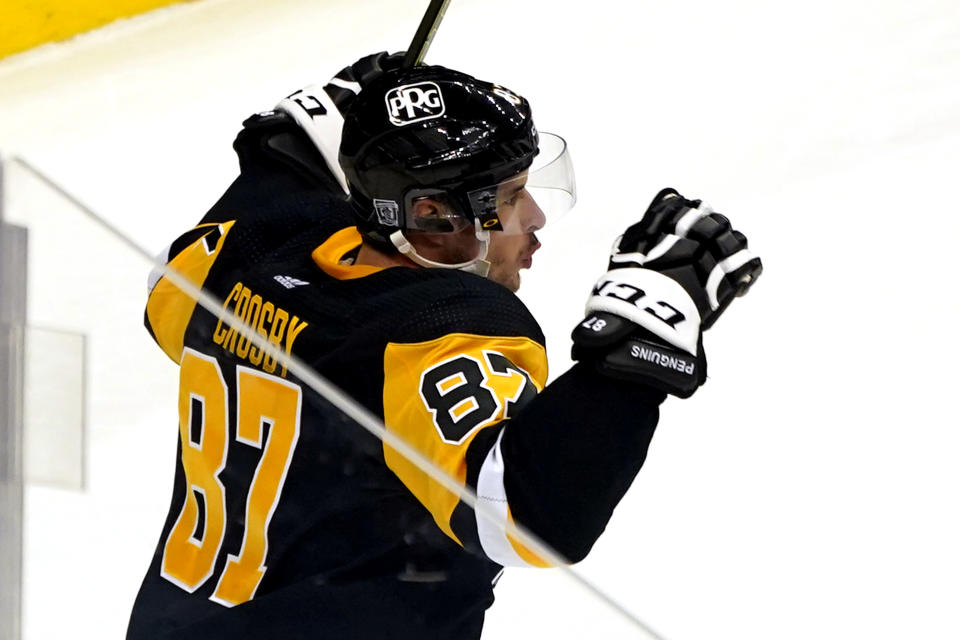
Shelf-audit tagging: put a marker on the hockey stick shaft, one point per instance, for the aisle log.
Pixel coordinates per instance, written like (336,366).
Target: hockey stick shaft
(425,32)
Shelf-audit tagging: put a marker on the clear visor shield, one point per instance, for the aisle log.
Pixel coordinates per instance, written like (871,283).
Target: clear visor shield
(522,204)
(532,199)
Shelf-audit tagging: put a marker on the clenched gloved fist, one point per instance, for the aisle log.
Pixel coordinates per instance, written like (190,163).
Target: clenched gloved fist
(319,111)
(670,277)
(347,83)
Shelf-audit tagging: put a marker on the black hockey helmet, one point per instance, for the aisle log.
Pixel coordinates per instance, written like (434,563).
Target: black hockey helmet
(429,131)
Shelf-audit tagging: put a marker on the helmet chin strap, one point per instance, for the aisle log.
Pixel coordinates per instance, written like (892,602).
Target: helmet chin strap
(478,265)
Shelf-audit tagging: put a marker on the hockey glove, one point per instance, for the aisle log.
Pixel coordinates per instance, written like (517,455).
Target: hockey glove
(350,80)
(319,109)
(670,277)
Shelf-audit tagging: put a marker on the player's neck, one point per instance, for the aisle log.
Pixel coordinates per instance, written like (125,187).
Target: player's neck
(374,257)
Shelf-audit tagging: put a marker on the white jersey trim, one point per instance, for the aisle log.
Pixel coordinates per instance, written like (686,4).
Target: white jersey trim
(490,490)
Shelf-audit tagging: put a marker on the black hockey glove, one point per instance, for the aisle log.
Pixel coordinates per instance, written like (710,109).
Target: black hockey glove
(671,276)
(347,83)
(319,110)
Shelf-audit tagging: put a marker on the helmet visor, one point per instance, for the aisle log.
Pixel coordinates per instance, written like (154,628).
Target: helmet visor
(533,198)
(521,204)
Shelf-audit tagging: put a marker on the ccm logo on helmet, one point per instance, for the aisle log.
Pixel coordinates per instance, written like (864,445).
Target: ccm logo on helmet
(414,102)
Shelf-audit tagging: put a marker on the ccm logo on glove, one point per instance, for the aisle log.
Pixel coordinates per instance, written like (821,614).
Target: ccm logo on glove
(666,312)
(641,296)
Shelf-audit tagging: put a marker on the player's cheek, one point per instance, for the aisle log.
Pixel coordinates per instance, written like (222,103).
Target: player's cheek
(510,220)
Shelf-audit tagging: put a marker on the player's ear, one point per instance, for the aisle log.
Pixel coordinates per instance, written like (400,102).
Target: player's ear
(434,216)
(425,209)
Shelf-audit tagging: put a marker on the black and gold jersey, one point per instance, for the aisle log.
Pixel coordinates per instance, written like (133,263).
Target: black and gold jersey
(289,520)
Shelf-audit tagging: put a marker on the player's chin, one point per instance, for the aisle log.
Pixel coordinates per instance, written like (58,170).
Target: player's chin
(508,279)
(525,263)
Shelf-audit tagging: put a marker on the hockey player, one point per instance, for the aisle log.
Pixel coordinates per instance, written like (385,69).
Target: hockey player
(289,521)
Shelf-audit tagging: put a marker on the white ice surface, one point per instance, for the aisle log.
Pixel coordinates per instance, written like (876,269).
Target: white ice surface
(809,490)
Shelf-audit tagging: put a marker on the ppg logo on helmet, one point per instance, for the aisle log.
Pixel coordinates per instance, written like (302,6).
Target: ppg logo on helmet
(414,102)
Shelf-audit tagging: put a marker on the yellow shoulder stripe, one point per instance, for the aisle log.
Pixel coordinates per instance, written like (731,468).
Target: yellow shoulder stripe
(438,395)
(169,309)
